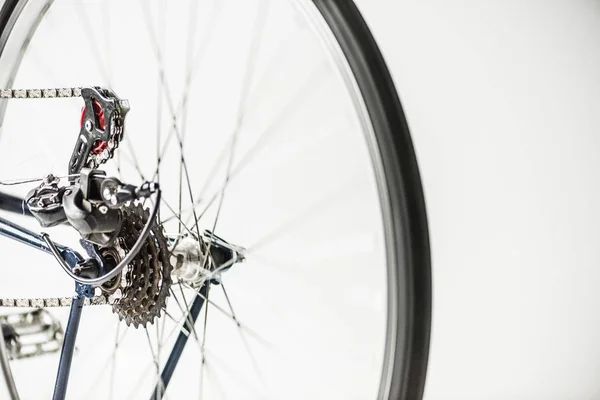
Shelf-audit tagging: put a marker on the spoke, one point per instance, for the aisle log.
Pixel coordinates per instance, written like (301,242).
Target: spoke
(133,160)
(213,171)
(180,197)
(274,62)
(176,328)
(159,56)
(231,315)
(242,336)
(185,312)
(158,342)
(86,23)
(191,32)
(191,194)
(177,323)
(139,382)
(241,333)
(162,331)
(166,92)
(215,305)
(175,216)
(200,51)
(110,361)
(205,321)
(319,207)
(159,99)
(257,33)
(259,25)
(241,325)
(257,371)
(178,217)
(215,383)
(192,24)
(193,65)
(167,142)
(43,65)
(107,11)
(289,108)
(113,363)
(229,303)
(203,347)
(238,378)
(210,176)
(160,384)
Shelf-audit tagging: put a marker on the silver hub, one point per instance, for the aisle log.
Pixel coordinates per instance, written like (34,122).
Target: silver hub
(189,264)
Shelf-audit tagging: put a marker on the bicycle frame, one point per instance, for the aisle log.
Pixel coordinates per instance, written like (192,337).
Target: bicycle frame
(23,235)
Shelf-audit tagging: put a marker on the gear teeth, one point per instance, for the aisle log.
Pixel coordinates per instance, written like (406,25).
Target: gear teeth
(146,281)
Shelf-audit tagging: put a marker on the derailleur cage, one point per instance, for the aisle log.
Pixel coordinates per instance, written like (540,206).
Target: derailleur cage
(102,127)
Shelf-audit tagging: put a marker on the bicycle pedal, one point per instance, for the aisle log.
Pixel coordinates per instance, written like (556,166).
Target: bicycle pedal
(31,333)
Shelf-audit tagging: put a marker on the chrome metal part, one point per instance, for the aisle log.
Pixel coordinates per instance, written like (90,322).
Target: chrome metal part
(31,333)
(191,264)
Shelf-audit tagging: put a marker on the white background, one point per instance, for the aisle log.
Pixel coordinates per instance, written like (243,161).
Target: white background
(503,100)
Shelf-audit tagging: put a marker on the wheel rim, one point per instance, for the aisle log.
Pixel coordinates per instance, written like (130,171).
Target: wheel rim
(275,203)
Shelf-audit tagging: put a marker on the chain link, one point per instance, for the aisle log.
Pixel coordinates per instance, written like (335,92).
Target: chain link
(40,93)
(47,302)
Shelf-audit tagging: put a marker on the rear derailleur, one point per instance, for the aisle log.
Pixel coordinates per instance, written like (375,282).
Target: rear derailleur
(90,204)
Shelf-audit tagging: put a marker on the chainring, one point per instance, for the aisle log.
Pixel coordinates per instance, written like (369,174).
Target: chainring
(144,283)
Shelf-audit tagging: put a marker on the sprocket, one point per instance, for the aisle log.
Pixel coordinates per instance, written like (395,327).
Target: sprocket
(145,283)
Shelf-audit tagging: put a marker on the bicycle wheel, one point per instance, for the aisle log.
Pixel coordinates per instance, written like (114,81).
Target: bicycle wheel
(274,125)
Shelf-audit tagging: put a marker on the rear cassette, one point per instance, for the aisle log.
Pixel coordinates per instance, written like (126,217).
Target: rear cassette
(145,283)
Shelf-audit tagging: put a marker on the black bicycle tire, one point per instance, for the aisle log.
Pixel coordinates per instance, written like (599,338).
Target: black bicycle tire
(8,14)
(406,197)
(413,298)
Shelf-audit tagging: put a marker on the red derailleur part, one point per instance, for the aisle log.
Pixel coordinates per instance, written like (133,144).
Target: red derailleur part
(102,123)
(99,145)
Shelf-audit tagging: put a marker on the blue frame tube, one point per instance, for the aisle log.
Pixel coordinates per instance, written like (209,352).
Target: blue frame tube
(23,235)
(68,346)
(182,339)
(14,204)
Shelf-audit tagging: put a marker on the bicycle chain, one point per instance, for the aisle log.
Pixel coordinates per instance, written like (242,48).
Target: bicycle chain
(40,93)
(47,302)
